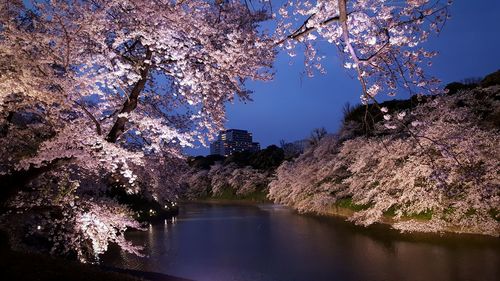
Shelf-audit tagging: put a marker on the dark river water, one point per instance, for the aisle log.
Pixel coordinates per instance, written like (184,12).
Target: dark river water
(268,242)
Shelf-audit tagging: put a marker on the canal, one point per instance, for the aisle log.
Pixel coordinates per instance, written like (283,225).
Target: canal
(266,242)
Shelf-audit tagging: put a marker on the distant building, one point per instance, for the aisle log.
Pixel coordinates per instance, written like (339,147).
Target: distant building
(233,140)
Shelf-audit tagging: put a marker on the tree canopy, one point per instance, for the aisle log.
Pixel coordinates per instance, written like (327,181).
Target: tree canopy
(98,91)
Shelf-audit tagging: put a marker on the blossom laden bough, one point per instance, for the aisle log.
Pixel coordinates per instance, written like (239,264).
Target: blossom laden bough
(111,86)
(440,174)
(380,40)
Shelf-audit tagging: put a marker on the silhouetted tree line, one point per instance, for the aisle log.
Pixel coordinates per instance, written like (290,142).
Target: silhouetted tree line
(361,118)
(266,159)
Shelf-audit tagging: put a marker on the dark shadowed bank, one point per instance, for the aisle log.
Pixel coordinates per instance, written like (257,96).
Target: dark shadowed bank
(31,266)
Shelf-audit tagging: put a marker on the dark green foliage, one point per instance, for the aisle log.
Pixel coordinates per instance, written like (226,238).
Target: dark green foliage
(454,87)
(229,194)
(266,159)
(349,204)
(495,213)
(427,215)
(204,162)
(336,178)
(365,116)
(391,212)
(491,79)
(145,209)
(226,193)
(471,212)
(241,159)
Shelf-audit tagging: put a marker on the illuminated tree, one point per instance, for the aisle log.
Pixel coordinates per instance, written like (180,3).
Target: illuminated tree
(380,40)
(112,83)
(435,171)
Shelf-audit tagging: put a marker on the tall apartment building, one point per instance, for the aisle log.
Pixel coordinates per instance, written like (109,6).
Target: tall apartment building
(233,140)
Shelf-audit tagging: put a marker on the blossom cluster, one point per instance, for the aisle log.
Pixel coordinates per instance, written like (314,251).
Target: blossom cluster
(106,94)
(436,169)
(239,181)
(379,40)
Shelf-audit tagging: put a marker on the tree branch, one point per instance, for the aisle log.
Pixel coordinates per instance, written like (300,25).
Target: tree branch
(91,116)
(304,29)
(131,103)
(345,34)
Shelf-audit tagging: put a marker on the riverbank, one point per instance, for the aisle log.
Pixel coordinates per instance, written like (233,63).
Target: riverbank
(346,209)
(434,170)
(228,196)
(21,266)
(27,266)
(346,213)
(239,241)
(227,201)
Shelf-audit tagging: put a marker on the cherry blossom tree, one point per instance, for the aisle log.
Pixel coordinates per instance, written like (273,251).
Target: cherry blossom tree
(110,86)
(100,89)
(380,40)
(240,181)
(124,62)
(435,171)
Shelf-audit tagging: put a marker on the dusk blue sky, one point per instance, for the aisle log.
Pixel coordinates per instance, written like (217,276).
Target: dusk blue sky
(292,105)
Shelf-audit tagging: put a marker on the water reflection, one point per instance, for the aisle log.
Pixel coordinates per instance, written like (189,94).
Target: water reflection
(269,242)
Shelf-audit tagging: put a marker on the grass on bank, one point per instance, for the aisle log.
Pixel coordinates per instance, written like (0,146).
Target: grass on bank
(347,203)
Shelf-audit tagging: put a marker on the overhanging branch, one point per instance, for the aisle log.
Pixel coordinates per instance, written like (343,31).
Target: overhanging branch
(304,29)
(92,117)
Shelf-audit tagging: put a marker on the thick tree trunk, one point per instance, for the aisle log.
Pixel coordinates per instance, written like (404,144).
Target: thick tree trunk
(131,103)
